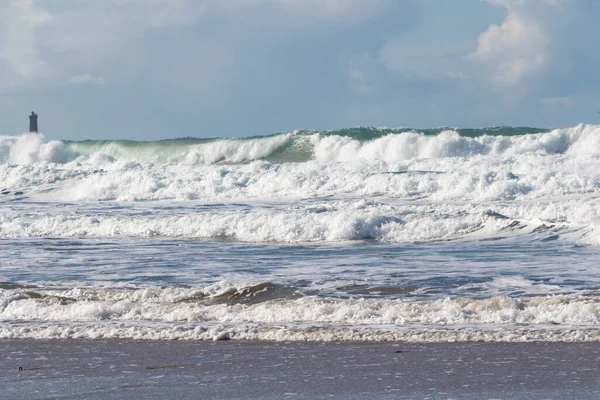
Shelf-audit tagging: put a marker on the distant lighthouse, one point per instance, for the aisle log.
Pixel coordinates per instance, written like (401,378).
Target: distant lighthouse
(33,127)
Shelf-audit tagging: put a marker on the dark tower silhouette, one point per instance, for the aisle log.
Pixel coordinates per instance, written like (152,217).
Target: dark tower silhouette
(33,122)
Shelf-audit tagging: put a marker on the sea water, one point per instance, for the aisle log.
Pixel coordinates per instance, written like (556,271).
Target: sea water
(355,234)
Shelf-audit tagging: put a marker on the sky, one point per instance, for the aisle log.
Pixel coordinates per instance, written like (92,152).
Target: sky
(160,69)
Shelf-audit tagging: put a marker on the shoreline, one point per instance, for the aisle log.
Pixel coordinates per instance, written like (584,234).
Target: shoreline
(508,333)
(129,369)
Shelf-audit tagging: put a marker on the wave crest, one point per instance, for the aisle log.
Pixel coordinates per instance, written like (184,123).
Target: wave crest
(391,145)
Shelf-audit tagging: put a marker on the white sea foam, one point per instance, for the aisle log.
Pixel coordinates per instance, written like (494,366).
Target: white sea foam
(476,179)
(168,314)
(446,167)
(414,200)
(33,148)
(188,305)
(409,145)
(30,148)
(284,333)
(327,221)
(581,140)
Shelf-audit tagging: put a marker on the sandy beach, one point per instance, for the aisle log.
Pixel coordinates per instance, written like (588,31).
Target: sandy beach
(94,369)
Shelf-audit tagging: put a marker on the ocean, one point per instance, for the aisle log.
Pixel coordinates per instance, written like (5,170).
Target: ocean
(363,234)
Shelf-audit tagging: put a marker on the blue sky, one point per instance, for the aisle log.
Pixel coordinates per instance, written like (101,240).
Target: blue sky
(157,69)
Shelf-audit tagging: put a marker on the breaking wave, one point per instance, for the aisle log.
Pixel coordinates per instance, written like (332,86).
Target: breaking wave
(337,145)
(359,184)
(258,312)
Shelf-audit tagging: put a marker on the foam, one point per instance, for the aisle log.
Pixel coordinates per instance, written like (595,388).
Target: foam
(188,305)
(523,192)
(531,167)
(315,222)
(140,331)
(161,314)
(30,148)
(392,147)
(419,187)
(33,148)
(449,143)
(448,179)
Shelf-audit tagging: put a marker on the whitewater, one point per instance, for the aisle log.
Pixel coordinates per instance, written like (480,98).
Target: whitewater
(362,234)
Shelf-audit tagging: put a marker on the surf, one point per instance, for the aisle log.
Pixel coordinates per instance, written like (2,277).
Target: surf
(298,146)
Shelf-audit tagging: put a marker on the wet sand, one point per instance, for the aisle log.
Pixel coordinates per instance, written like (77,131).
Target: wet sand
(99,369)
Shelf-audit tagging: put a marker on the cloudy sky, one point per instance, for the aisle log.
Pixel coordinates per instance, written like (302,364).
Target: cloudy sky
(157,69)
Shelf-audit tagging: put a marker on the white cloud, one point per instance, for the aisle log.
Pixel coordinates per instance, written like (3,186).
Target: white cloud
(60,37)
(543,48)
(19,54)
(516,49)
(87,80)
